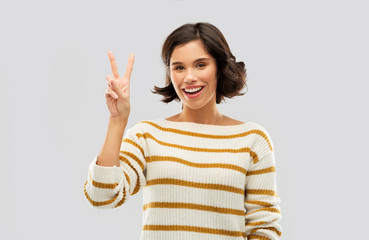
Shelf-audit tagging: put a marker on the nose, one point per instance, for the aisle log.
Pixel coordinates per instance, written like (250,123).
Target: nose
(190,76)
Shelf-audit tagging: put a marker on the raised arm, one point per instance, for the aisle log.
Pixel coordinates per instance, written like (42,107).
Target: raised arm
(117,170)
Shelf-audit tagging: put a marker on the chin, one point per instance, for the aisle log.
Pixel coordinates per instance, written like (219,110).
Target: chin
(194,106)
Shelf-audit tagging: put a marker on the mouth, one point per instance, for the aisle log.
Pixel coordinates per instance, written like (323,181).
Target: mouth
(193,87)
(194,94)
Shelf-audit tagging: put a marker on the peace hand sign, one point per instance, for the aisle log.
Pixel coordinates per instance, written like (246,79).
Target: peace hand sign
(118,92)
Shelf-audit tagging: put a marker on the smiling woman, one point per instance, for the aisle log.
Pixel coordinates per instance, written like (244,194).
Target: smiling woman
(192,68)
(203,175)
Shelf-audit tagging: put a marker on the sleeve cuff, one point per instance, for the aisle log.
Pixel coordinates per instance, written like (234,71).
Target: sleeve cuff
(105,174)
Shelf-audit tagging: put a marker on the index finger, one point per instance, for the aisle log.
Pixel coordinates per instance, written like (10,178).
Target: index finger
(131,59)
(113,65)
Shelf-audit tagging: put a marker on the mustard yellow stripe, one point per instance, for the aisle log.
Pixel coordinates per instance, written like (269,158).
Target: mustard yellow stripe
(148,135)
(192,164)
(261,203)
(193,206)
(254,156)
(102,185)
(137,159)
(95,203)
(268,209)
(261,171)
(195,134)
(137,187)
(256,223)
(193,229)
(134,144)
(261,192)
(246,149)
(258,237)
(194,184)
(279,233)
(127,177)
(122,200)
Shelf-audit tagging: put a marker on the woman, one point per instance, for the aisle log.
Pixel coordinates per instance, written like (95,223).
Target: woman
(204,175)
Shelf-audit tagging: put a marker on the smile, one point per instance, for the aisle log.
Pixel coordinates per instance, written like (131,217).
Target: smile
(195,93)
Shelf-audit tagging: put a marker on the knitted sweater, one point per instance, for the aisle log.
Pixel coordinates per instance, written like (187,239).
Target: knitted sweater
(199,181)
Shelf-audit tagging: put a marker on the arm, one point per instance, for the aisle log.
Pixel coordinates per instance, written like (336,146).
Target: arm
(110,184)
(109,153)
(262,201)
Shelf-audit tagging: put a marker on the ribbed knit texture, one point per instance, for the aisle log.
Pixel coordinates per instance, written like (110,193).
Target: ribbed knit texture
(199,181)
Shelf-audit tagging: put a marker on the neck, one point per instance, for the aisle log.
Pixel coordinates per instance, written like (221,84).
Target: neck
(206,115)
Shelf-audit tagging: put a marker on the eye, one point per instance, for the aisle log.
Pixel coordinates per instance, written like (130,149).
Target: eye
(201,65)
(178,68)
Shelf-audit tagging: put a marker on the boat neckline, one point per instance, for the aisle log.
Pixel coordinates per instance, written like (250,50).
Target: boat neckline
(205,125)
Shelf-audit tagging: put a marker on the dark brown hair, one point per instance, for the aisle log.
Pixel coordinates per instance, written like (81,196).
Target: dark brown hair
(231,74)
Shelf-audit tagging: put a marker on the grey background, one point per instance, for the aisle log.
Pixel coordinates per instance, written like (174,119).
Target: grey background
(307,64)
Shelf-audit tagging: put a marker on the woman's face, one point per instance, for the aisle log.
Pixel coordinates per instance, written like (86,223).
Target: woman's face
(191,67)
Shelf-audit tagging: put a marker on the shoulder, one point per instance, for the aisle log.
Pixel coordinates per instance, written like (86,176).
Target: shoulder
(137,128)
(262,144)
(145,126)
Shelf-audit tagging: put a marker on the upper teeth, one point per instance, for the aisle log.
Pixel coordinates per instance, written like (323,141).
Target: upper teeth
(192,89)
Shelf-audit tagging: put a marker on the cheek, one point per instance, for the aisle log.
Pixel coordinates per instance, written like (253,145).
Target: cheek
(176,78)
(210,75)
(175,81)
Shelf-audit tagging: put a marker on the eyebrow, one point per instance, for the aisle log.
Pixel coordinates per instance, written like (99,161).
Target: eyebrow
(197,60)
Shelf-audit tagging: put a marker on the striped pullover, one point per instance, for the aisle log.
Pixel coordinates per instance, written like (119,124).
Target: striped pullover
(199,181)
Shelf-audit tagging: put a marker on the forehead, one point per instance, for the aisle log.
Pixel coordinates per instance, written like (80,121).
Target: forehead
(189,51)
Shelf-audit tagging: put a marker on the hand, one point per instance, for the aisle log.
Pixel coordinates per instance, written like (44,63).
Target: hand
(118,92)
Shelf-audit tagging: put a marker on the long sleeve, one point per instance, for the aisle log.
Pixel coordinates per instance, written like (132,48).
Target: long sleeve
(261,200)
(110,187)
